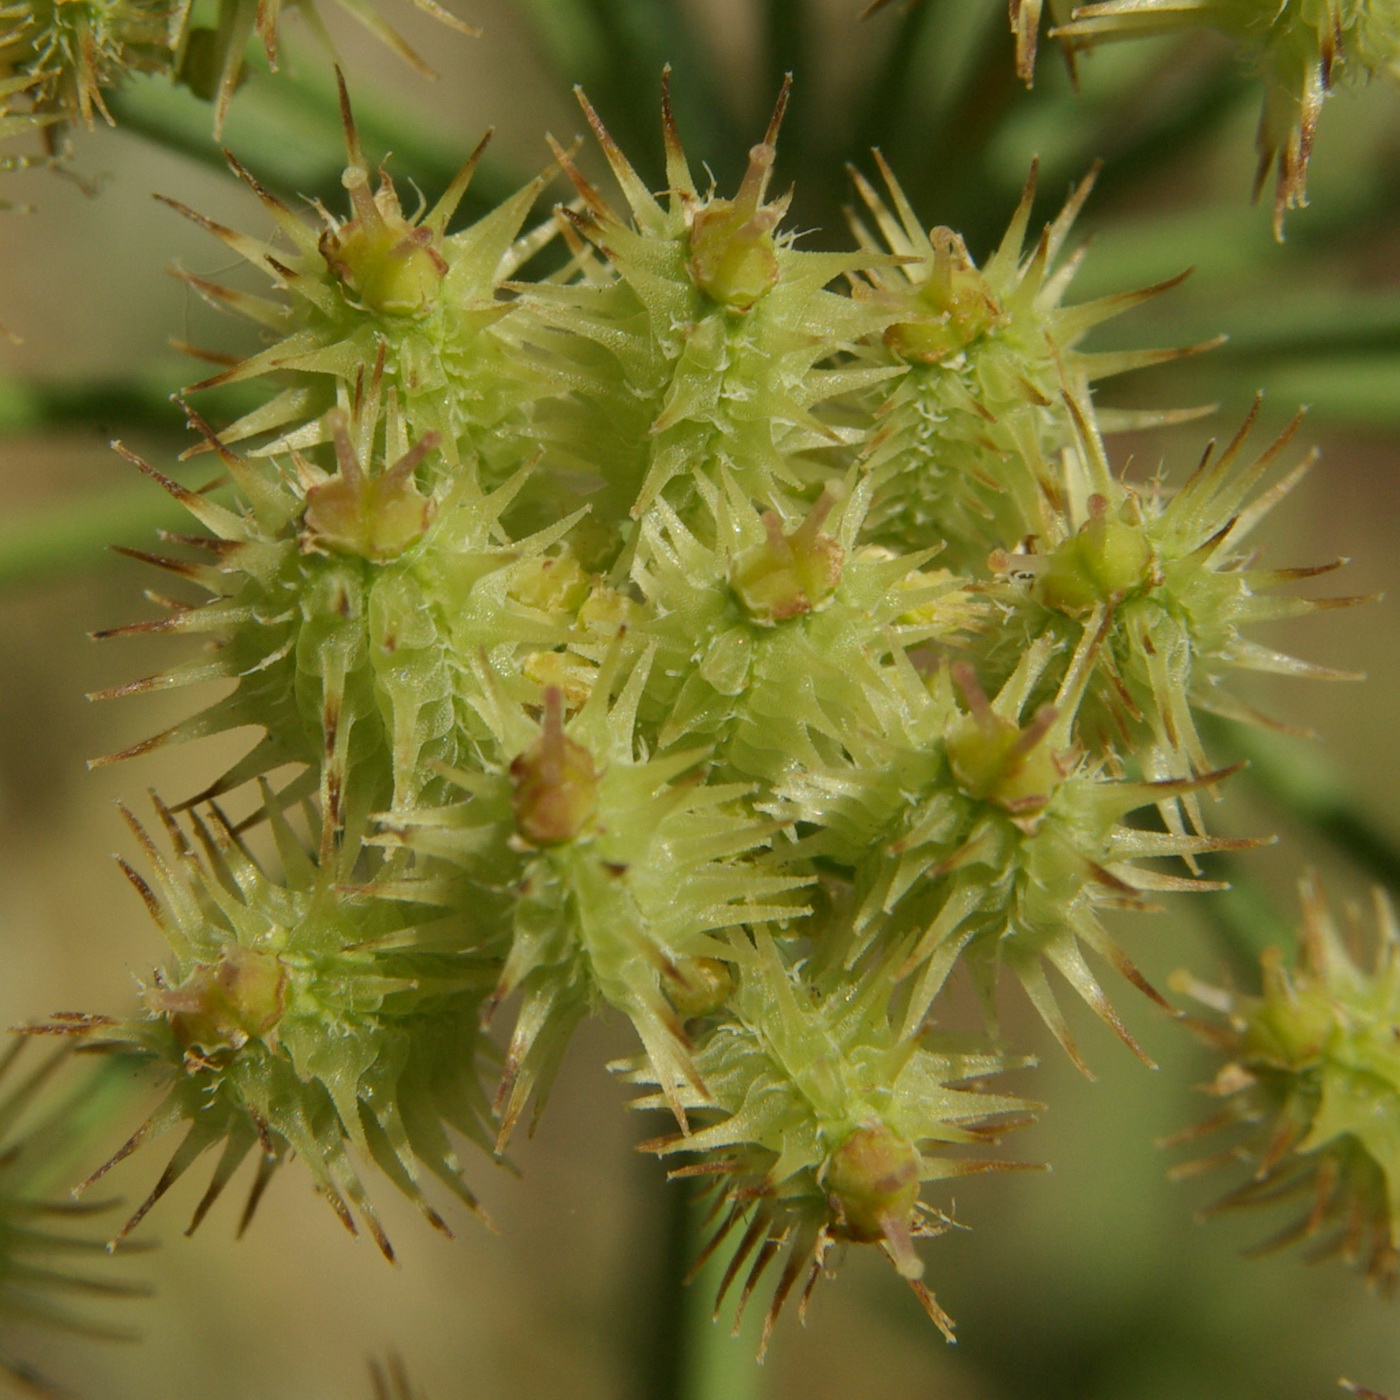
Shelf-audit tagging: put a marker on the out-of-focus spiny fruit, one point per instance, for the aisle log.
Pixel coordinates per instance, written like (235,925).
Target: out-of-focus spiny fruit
(1302,48)
(383,283)
(1313,1074)
(38,1238)
(822,1123)
(972,408)
(698,346)
(63,54)
(68,53)
(303,1017)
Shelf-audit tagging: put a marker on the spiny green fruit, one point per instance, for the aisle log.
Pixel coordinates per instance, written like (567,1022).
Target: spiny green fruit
(69,52)
(778,640)
(348,607)
(700,345)
(971,409)
(1152,589)
(822,1123)
(38,1238)
(1302,48)
(1313,1075)
(303,1017)
(383,284)
(66,53)
(977,836)
(606,876)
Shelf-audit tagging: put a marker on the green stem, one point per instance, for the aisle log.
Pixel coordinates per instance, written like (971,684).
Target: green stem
(1300,780)
(1246,921)
(883,106)
(108,405)
(71,535)
(695,1357)
(289,134)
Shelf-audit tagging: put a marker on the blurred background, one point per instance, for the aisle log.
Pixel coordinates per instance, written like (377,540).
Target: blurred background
(1094,1282)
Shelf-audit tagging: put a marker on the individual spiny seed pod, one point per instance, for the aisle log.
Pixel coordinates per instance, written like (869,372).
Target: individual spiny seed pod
(76,50)
(701,345)
(40,1231)
(381,278)
(781,637)
(612,876)
(299,1017)
(1159,584)
(822,1124)
(978,359)
(211,60)
(984,837)
(1302,48)
(1313,1074)
(345,604)
(66,53)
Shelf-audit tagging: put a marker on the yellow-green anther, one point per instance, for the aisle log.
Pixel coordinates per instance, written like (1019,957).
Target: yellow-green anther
(995,760)
(554,783)
(873,1182)
(1297,1020)
(733,257)
(389,264)
(221,1006)
(955,306)
(699,987)
(376,517)
(790,574)
(1107,559)
(553,584)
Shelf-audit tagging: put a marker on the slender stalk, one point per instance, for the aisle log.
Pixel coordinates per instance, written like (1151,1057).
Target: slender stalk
(1298,778)
(694,1356)
(616,51)
(109,405)
(1246,922)
(75,534)
(290,134)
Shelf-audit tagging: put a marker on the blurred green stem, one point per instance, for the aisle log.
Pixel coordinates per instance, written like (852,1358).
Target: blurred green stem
(1299,779)
(694,1356)
(74,534)
(1246,922)
(616,52)
(28,405)
(289,134)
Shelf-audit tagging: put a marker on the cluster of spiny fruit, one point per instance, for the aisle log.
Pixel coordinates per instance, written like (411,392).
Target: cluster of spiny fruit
(735,636)
(1301,49)
(60,60)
